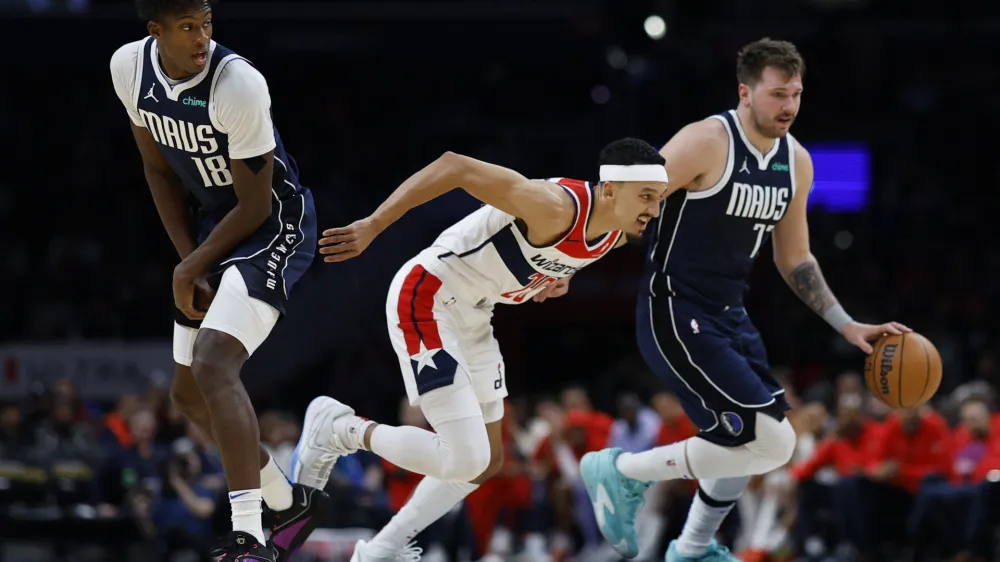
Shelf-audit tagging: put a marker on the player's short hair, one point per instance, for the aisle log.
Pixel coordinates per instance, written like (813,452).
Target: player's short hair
(755,57)
(155,10)
(629,152)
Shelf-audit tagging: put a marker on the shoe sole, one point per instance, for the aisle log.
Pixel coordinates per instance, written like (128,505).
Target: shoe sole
(311,412)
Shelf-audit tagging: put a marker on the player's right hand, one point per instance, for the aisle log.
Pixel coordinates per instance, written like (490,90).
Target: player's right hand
(553,291)
(346,242)
(184,290)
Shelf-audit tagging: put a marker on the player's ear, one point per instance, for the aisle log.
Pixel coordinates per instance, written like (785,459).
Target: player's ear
(154,29)
(608,189)
(744,92)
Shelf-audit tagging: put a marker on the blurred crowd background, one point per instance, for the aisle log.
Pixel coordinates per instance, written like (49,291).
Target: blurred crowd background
(95,464)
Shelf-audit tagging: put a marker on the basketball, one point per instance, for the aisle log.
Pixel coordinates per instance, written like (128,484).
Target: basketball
(903,371)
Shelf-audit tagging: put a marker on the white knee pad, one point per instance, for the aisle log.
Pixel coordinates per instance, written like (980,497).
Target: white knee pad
(457,418)
(465,448)
(775,441)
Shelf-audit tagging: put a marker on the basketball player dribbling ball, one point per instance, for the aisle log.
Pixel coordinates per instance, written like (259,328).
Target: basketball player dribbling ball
(201,117)
(734,178)
(524,244)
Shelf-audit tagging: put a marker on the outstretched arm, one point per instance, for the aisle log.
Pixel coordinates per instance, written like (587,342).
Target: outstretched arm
(799,268)
(543,206)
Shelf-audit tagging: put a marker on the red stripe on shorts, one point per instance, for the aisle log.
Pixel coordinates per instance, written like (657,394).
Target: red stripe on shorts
(415,309)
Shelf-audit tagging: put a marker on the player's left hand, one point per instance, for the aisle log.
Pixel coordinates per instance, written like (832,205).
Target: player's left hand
(346,242)
(860,334)
(555,290)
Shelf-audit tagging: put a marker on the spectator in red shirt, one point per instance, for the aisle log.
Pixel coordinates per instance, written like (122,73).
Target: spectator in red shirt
(847,450)
(676,425)
(913,446)
(977,443)
(943,508)
(575,399)
(573,434)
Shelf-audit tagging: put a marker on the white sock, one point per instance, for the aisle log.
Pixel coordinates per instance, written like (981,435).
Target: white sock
(246,512)
(431,500)
(713,502)
(669,462)
(274,486)
(351,430)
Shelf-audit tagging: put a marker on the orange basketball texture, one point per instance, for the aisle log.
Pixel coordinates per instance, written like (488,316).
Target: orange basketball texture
(903,371)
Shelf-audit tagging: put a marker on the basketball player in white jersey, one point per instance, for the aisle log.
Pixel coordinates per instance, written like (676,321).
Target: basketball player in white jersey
(734,178)
(525,243)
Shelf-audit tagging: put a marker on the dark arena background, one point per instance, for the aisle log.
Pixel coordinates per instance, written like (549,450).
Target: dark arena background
(900,113)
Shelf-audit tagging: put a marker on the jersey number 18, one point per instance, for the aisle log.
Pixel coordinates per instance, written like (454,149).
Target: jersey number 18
(213,171)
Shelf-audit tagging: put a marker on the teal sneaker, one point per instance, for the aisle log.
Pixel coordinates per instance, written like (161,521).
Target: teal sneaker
(715,553)
(616,499)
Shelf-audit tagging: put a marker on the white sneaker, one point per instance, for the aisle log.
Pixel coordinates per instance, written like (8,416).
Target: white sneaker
(319,447)
(408,553)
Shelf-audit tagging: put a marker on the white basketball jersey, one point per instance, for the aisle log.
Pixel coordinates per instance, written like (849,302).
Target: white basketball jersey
(486,256)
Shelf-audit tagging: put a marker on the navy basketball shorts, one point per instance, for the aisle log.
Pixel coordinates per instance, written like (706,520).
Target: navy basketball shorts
(270,263)
(714,361)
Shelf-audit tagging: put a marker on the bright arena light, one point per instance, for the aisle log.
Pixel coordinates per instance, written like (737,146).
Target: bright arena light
(655,27)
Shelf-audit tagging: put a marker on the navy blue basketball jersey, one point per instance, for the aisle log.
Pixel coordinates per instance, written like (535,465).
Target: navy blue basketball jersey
(178,115)
(705,242)
(187,119)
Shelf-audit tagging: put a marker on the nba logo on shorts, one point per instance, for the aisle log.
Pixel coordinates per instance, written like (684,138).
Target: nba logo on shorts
(732,422)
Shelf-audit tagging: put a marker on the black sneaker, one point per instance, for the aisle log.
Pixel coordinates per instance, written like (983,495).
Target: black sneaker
(291,527)
(238,546)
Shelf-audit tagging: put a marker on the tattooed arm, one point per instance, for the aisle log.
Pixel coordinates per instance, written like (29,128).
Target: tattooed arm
(801,271)
(792,254)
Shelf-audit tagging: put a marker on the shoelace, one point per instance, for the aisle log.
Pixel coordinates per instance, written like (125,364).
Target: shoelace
(323,469)
(410,553)
(327,460)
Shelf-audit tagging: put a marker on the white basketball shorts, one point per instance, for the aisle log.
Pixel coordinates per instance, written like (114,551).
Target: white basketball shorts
(234,312)
(444,344)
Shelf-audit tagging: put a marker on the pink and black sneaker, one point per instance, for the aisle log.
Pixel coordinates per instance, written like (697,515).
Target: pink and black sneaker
(291,527)
(238,546)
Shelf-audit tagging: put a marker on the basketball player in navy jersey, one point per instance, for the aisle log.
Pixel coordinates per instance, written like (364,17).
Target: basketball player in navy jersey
(734,179)
(201,117)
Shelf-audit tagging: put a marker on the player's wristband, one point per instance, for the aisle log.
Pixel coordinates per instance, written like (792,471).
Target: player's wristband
(837,317)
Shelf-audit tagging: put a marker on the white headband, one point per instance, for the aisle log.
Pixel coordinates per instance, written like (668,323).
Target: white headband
(638,172)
